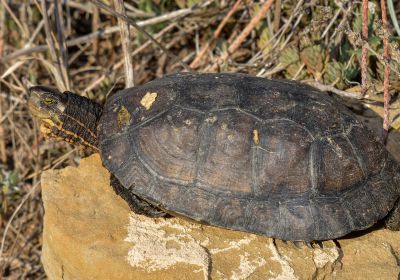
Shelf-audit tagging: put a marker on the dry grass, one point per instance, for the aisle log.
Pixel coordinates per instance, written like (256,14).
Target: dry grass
(77,46)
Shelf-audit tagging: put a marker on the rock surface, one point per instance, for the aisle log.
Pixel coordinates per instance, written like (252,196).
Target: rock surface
(89,233)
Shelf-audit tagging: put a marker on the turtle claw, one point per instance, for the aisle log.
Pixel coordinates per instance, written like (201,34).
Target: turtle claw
(298,244)
(285,242)
(318,244)
(309,244)
(302,244)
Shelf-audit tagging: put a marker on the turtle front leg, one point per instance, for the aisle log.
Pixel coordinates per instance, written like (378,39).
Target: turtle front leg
(137,205)
(392,220)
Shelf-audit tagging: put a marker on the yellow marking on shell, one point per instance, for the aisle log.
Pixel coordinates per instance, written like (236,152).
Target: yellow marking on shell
(148,99)
(124,117)
(256,138)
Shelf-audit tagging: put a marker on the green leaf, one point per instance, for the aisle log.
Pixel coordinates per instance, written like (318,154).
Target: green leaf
(357,22)
(5,188)
(289,56)
(314,58)
(263,40)
(293,71)
(13,177)
(334,74)
(375,42)
(351,73)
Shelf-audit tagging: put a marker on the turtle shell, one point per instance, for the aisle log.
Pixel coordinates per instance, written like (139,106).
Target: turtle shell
(273,157)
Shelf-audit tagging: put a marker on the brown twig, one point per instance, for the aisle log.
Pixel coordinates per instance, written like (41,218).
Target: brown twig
(103,6)
(334,90)
(339,31)
(277,15)
(100,33)
(24,199)
(14,17)
(95,26)
(3,152)
(364,52)
(356,40)
(386,96)
(196,62)
(333,20)
(276,39)
(250,26)
(134,53)
(2,30)
(126,44)
(50,42)
(61,43)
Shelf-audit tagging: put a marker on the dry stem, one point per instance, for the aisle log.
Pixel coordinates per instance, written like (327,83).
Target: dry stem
(126,44)
(364,66)
(196,62)
(386,96)
(61,44)
(140,29)
(250,26)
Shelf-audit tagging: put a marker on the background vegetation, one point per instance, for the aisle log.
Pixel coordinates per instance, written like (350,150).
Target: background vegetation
(76,45)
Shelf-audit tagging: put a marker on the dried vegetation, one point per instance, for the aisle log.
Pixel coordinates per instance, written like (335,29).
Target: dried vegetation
(75,45)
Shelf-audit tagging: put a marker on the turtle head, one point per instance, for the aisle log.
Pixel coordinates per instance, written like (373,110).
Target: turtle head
(47,104)
(65,115)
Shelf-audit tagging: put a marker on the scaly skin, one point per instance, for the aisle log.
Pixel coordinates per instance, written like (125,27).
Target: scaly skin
(51,107)
(392,221)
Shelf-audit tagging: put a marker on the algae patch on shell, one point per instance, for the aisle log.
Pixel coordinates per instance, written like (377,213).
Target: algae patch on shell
(124,117)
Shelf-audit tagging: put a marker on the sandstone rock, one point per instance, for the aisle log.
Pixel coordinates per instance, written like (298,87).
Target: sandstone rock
(89,233)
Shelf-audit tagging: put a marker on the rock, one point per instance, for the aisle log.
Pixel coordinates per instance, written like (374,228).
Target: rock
(89,233)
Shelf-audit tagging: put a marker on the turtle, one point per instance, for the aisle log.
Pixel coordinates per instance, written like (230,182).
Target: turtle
(276,158)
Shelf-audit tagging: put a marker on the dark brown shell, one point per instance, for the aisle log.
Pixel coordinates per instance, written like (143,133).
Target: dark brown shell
(277,158)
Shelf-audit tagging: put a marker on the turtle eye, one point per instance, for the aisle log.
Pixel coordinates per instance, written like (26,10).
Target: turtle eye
(49,101)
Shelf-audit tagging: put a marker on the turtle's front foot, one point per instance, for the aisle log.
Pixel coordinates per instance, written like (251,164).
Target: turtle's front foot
(137,205)
(392,220)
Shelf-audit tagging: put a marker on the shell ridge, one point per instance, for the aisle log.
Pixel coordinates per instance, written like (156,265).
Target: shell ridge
(153,171)
(313,161)
(349,217)
(154,176)
(315,221)
(134,127)
(356,154)
(255,167)
(205,131)
(189,109)
(281,223)
(293,122)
